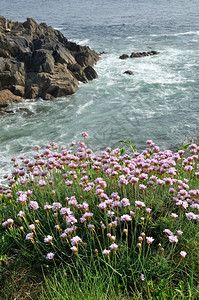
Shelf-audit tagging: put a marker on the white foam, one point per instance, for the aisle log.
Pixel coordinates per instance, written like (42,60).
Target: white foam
(84,42)
(83,107)
(176,34)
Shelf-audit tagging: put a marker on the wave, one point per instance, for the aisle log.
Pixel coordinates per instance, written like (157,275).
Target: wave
(176,34)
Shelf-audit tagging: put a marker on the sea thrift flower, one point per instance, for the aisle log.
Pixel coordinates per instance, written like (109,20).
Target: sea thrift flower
(149,240)
(50,255)
(48,239)
(173,239)
(173,215)
(33,205)
(142,277)
(183,254)
(76,240)
(71,220)
(106,252)
(148,210)
(179,233)
(47,206)
(8,222)
(32,227)
(21,214)
(168,232)
(29,236)
(41,183)
(74,249)
(125,202)
(113,247)
(142,187)
(84,134)
(190,216)
(126,218)
(56,206)
(139,204)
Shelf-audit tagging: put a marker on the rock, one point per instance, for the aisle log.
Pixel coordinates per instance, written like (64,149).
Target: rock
(142,54)
(129,72)
(7,97)
(90,73)
(124,56)
(38,61)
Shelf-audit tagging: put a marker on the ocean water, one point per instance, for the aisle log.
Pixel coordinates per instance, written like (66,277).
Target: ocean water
(160,102)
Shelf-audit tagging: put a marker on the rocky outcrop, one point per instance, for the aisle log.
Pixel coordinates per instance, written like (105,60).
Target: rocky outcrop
(142,54)
(38,61)
(139,54)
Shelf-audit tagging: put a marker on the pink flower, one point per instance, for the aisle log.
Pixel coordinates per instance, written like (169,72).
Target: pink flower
(74,249)
(41,183)
(139,204)
(32,227)
(190,216)
(48,239)
(142,277)
(84,134)
(125,202)
(168,232)
(33,205)
(29,236)
(50,255)
(56,206)
(142,187)
(113,247)
(8,222)
(173,239)
(75,240)
(126,218)
(21,214)
(179,232)
(149,240)
(106,252)
(173,215)
(183,254)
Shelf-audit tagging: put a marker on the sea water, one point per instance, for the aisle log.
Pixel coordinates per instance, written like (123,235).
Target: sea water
(159,102)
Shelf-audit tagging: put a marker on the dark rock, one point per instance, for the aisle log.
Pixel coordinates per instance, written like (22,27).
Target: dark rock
(90,73)
(129,72)
(142,54)
(124,56)
(38,61)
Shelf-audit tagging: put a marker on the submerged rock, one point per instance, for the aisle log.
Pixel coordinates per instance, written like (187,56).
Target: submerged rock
(38,61)
(129,72)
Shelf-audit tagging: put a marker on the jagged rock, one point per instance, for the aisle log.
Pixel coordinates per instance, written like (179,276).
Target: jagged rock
(38,61)
(90,73)
(129,72)
(142,54)
(124,56)
(7,97)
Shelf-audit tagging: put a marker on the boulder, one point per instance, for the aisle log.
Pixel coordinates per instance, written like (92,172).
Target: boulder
(38,61)
(90,73)
(124,56)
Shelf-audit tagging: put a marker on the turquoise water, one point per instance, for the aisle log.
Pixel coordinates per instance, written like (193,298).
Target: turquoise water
(160,102)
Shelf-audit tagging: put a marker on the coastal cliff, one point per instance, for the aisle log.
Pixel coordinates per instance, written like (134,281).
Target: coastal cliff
(38,61)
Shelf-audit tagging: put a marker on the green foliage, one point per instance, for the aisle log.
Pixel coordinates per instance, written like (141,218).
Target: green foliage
(36,230)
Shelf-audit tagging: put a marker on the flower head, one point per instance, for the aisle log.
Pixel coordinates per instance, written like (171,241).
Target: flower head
(183,254)
(50,255)
(149,240)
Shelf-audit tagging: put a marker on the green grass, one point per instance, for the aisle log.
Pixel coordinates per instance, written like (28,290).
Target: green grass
(86,272)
